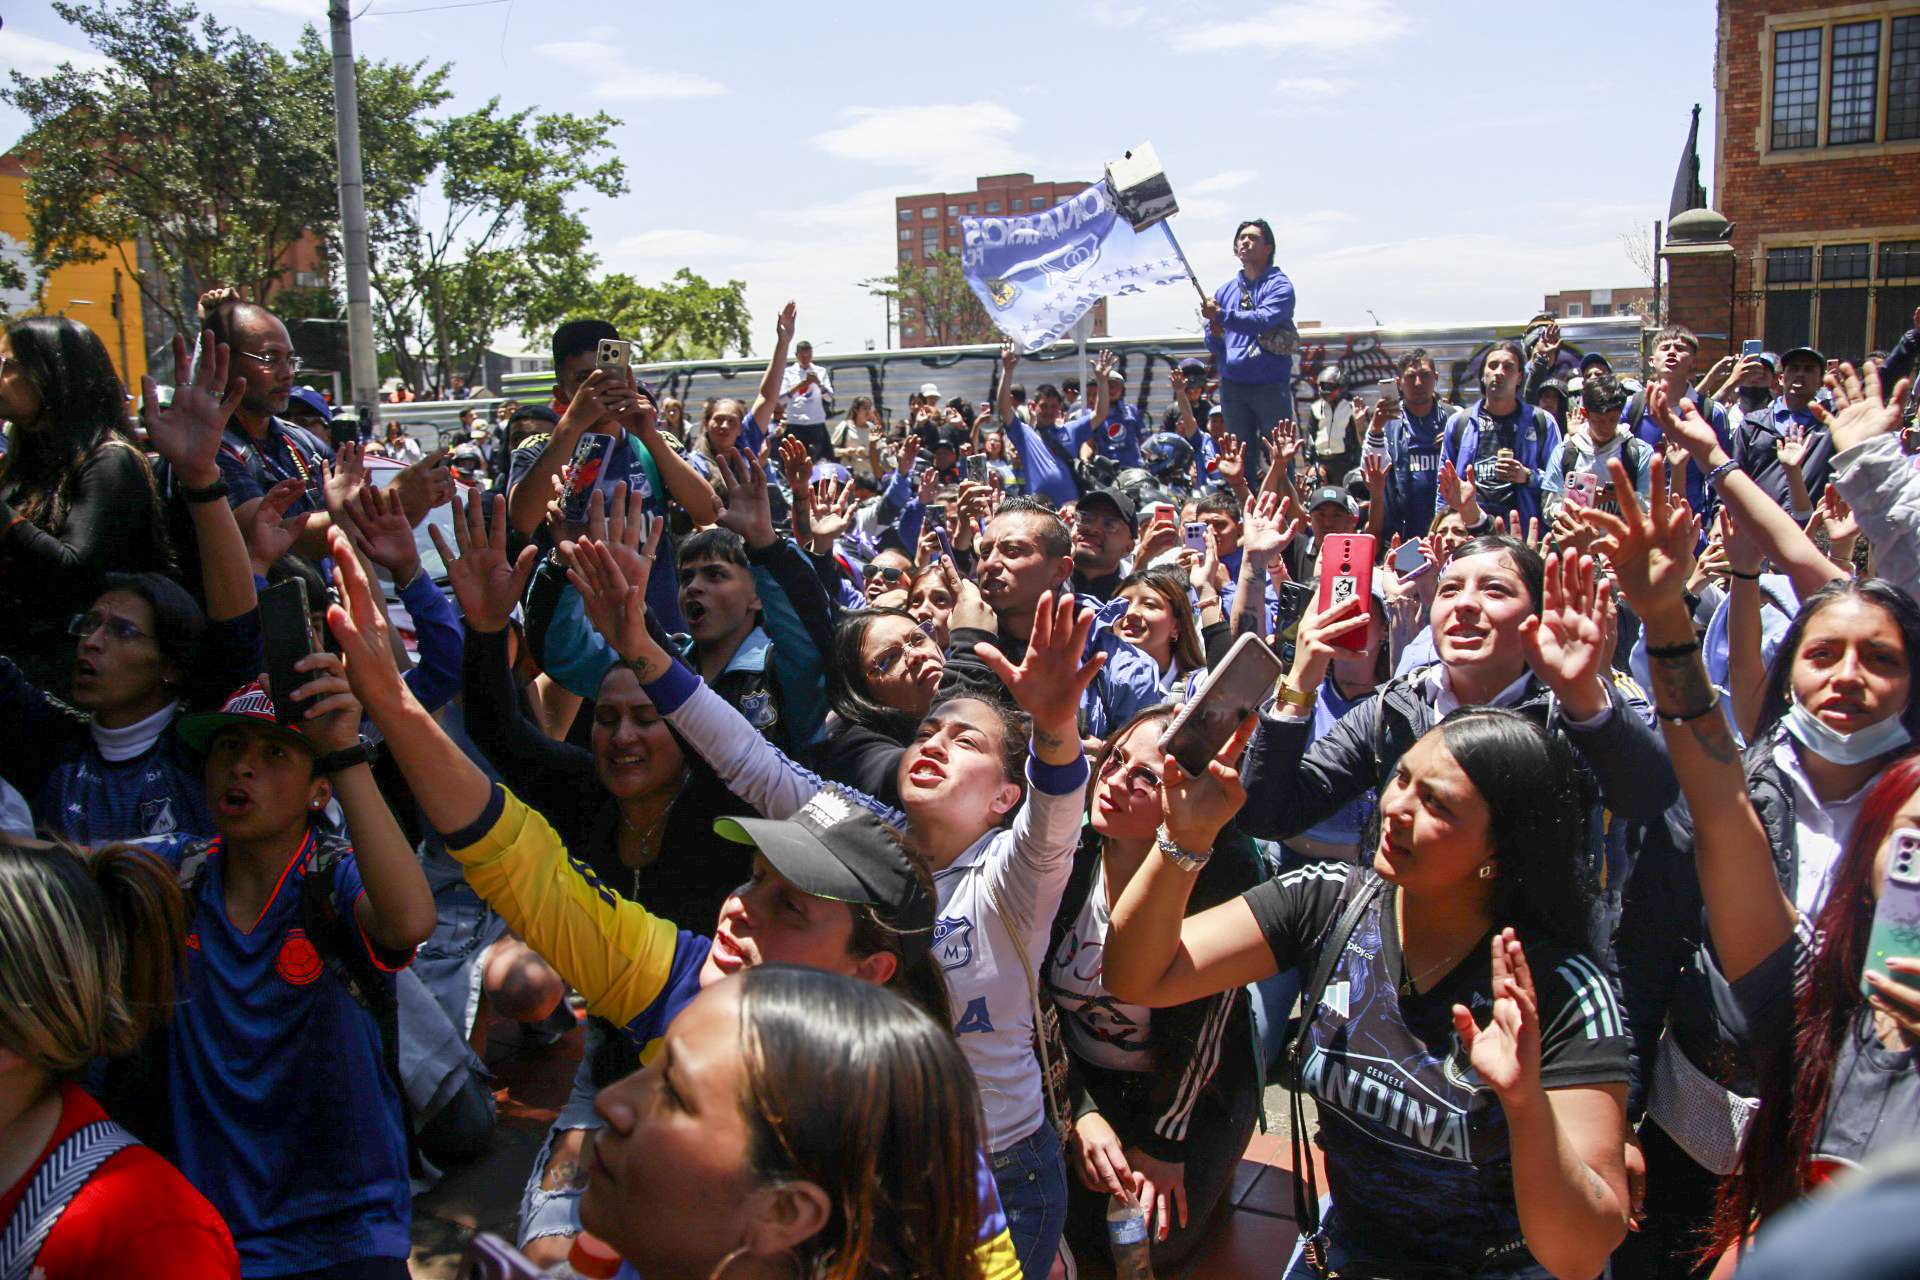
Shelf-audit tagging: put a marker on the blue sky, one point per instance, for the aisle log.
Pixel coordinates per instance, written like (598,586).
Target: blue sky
(1427,162)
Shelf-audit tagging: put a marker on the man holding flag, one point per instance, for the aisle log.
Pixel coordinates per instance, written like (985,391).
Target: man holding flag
(1250,332)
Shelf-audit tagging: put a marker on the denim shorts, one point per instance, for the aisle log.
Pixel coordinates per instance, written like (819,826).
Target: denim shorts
(1031,1177)
(557,1213)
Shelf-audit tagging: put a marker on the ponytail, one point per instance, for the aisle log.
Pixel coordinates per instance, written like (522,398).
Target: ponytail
(90,942)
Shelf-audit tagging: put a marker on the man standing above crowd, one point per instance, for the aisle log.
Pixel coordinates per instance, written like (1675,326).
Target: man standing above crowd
(806,396)
(1040,443)
(1501,443)
(1247,317)
(1111,429)
(1410,441)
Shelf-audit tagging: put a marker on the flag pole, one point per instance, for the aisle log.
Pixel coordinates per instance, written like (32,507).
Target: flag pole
(1183,262)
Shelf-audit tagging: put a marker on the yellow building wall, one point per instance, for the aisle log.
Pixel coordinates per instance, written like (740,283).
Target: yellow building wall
(86,291)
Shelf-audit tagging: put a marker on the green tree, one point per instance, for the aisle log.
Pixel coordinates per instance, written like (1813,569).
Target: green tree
(489,235)
(936,301)
(214,146)
(684,319)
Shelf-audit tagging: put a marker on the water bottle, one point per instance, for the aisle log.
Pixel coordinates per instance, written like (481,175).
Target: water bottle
(1127,1237)
(589,1259)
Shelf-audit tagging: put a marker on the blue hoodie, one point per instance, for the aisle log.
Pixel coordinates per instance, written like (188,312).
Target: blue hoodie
(1238,349)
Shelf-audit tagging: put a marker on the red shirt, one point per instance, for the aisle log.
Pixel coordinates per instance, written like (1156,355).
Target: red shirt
(135,1207)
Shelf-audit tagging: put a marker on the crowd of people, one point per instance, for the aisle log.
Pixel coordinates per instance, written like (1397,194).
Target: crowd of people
(817,763)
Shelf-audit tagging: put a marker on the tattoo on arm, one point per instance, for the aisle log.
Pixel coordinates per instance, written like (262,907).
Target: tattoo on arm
(1597,1189)
(1045,742)
(1681,683)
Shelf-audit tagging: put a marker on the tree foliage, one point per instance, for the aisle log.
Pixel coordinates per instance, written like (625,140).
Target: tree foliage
(937,301)
(215,146)
(489,235)
(685,319)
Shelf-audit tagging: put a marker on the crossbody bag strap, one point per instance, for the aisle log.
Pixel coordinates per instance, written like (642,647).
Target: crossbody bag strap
(1060,1122)
(54,1185)
(1306,1187)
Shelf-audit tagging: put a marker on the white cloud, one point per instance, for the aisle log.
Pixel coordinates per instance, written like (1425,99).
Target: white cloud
(1231,180)
(940,141)
(610,76)
(34,56)
(676,245)
(1301,26)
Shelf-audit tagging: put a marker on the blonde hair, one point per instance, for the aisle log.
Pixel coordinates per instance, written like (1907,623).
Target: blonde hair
(90,941)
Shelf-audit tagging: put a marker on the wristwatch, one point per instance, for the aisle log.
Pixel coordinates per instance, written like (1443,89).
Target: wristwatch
(1170,849)
(361,752)
(1294,697)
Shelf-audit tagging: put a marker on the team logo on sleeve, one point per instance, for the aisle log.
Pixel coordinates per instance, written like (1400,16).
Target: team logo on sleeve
(953,941)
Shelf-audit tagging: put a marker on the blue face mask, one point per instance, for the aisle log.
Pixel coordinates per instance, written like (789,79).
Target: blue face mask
(1834,747)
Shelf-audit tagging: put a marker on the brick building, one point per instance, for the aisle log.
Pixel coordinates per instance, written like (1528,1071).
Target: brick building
(1814,235)
(1576,304)
(929,227)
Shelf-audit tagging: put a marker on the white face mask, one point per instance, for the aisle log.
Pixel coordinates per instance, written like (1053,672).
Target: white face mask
(1845,748)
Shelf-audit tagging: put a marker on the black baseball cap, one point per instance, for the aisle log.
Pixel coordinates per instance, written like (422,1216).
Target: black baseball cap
(1331,495)
(1592,358)
(836,848)
(1809,352)
(1119,501)
(1194,366)
(534,413)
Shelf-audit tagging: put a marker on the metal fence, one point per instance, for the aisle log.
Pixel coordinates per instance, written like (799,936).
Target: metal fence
(1363,356)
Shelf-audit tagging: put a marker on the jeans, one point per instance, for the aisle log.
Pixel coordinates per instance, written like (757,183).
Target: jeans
(1251,410)
(1031,1176)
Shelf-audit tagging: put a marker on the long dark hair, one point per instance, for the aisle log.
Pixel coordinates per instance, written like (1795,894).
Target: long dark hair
(1538,805)
(1877,591)
(1171,586)
(848,691)
(855,1090)
(84,404)
(1795,1082)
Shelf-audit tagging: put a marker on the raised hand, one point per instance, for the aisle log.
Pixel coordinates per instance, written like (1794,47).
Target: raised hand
(749,510)
(1649,548)
(1051,679)
(382,531)
(346,476)
(1313,646)
(1373,469)
(1836,513)
(424,485)
(1568,641)
(270,532)
(1231,459)
(1459,492)
(359,622)
(1283,442)
(1861,412)
(1198,807)
(796,464)
(1264,528)
(1506,1052)
(616,603)
(484,581)
(1682,424)
(1104,364)
(187,432)
(1009,358)
(1547,350)
(783,327)
(331,719)
(1791,448)
(831,509)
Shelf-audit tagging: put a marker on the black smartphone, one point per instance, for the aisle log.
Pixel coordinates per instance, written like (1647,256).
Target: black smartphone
(1231,693)
(1294,597)
(285,626)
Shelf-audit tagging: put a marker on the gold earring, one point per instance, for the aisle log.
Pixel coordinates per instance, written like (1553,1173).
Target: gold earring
(726,1262)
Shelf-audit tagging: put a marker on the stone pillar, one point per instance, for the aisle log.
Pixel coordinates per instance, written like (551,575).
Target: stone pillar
(1700,267)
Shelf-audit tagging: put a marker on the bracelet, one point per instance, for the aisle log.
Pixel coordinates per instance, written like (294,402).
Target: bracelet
(1744,577)
(1673,650)
(1714,475)
(1170,849)
(1294,697)
(1687,717)
(212,493)
(401,587)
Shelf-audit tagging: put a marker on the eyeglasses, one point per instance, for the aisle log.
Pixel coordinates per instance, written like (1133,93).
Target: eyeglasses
(276,360)
(82,625)
(1104,523)
(1138,777)
(921,637)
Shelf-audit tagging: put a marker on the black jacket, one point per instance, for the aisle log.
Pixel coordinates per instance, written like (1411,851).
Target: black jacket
(1200,1049)
(1292,785)
(1661,942)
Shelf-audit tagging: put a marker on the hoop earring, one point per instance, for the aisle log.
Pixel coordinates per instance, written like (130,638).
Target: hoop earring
(726,1262)
(1486,871)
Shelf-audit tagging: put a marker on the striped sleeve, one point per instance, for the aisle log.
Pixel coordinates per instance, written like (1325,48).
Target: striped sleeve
(1204,1063)
(1583,1034)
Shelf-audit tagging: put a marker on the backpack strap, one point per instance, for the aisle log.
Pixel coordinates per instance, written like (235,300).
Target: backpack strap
(337,938)
(55,1183)
(1306,1186)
